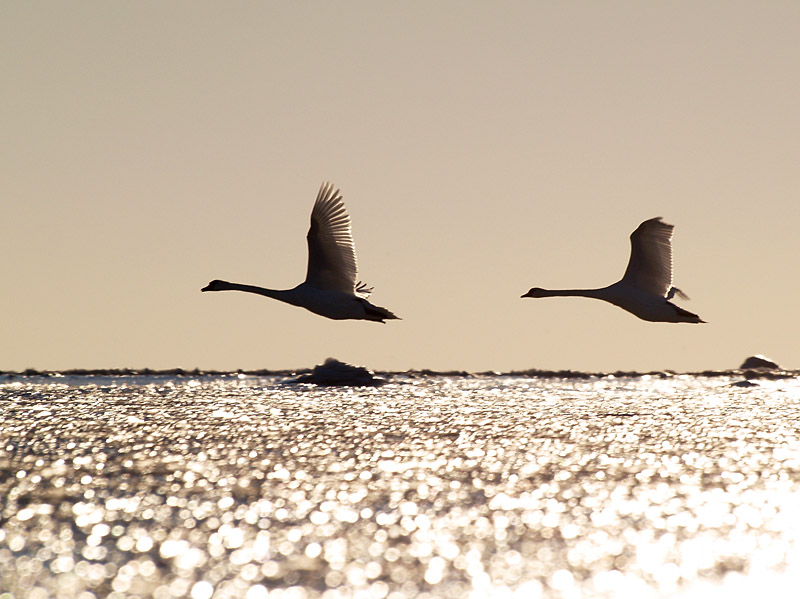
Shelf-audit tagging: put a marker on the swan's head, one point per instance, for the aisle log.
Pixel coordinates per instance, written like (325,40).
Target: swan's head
(535,292)
(215,285)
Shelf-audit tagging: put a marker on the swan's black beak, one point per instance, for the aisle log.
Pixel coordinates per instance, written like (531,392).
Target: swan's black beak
(525,295)
(215,285)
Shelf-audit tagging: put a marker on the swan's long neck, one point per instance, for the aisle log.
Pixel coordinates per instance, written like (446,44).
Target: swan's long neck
(284,295)
(593,293)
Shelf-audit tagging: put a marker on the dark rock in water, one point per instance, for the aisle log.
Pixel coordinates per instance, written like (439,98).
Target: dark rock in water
(333,372)
(745,383)
(759,362)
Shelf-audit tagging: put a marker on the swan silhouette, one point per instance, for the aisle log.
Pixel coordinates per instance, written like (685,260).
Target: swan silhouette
(330,288)
(646,287)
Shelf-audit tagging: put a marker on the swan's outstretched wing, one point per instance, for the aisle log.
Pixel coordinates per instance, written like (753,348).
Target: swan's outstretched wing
(331,253)
(650,266)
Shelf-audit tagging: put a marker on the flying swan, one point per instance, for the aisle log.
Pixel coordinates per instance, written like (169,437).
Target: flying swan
(646,287)
(330,288)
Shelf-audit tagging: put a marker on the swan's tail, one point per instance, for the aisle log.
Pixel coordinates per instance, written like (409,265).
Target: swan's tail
(686,316)
(376,313)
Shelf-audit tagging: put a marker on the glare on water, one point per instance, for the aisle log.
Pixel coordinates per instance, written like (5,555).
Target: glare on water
(429,486)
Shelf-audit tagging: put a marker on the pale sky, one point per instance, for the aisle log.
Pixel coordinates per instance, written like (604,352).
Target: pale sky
(482,148)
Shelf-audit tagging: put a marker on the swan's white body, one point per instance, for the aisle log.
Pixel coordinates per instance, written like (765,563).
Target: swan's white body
(646,287)
(330,288)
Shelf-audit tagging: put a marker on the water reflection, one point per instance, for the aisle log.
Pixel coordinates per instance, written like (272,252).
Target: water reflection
(426,487)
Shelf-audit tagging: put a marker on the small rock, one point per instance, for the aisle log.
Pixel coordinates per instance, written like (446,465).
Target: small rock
(334,373)
(745,383)
(759,361)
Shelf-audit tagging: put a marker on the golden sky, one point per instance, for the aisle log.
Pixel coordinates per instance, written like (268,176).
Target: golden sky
(482,148)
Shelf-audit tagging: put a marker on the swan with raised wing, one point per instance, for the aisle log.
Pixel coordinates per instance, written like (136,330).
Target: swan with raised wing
(331,288)
(645,289)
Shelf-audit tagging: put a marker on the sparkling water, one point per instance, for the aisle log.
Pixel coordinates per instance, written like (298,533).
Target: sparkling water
(429,486)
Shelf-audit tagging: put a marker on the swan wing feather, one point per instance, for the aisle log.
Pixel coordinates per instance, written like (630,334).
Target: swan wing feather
(331,252)
(650,264)
(362,290)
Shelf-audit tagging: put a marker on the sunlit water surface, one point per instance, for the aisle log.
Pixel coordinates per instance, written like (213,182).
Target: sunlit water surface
(246,487)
